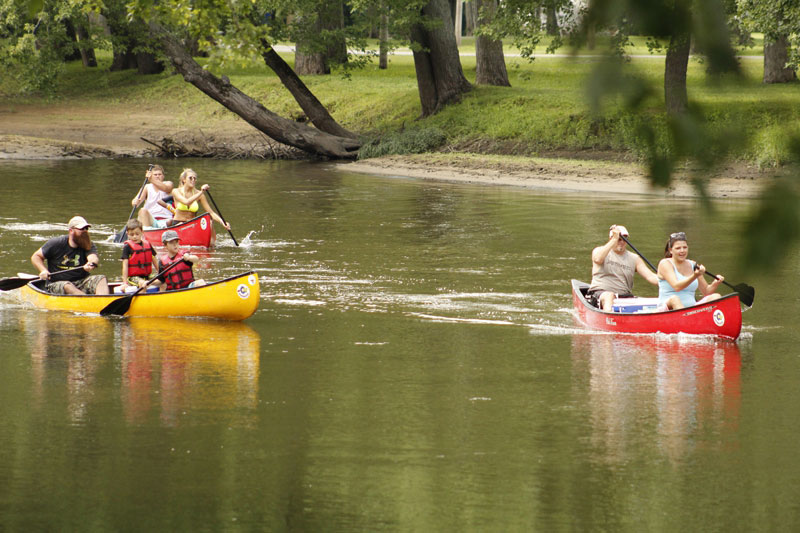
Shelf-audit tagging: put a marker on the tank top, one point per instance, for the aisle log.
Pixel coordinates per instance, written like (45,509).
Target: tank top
(615,274)
(152,205)
(665,290)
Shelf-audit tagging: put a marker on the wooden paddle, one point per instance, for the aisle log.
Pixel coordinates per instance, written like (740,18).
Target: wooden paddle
(220,215)
(746,293)
(123,234)
(9,284)
(120,306)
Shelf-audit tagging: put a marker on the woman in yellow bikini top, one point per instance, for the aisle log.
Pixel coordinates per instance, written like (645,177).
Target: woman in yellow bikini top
(188,199)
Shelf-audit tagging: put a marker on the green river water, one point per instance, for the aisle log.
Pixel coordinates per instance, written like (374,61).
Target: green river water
(414,365)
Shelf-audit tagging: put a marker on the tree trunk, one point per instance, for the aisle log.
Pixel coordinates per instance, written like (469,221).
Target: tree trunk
(675,67)
(281,129)
(776,55)
(552,21)
(122,60)
(440,78)
(457,16)
(146,63)
(87,51)
(490,63)
(383,46)
(310,63)
(316,60)
(312,107)
(470,17)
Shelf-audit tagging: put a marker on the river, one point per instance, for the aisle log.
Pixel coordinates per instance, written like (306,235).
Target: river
(414,365)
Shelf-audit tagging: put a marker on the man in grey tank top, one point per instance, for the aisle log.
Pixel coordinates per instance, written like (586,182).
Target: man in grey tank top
(613,268)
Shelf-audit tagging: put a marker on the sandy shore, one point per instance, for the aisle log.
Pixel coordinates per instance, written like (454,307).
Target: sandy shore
(558,174)
(31,136)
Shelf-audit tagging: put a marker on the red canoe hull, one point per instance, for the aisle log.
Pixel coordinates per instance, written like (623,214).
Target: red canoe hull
(195,232)
(722,318)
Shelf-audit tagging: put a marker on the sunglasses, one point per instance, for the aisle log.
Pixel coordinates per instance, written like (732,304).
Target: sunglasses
(680,236)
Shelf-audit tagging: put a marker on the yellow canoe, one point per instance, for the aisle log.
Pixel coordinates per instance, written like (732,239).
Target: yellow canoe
(234,298)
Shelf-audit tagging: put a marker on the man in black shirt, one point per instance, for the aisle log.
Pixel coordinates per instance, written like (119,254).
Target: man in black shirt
(67,252)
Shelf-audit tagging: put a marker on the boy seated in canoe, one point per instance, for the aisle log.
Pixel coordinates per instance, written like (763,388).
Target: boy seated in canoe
(139,262)
(182,276)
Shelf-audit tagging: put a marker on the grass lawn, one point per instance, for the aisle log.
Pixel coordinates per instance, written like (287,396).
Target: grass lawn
(545,110)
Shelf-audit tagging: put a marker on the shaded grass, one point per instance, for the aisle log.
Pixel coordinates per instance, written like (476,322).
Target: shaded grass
(545,110)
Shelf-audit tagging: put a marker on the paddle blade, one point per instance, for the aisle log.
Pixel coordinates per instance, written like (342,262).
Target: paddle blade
(746,293)
(121,236)
(119,306)
(9,284)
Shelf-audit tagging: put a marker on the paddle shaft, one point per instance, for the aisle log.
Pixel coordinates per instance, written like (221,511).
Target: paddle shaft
(654,269)
(220,215)
(120,306)
(15,283)
(121,236)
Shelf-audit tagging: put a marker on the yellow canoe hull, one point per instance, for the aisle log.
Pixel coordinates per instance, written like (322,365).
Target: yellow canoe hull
(235,298)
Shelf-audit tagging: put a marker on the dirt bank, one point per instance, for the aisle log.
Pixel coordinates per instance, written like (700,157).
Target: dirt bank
(59,132)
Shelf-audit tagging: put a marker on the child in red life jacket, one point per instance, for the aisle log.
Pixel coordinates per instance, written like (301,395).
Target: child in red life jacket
(139,262)
(181,276)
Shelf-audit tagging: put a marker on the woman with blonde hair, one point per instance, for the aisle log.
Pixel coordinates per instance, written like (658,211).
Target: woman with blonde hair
(188,199)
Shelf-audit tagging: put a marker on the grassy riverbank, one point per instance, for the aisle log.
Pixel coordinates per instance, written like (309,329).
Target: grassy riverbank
(543,113)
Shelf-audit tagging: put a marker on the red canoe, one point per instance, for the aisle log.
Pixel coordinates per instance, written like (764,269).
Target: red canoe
(195,232)
(722,317)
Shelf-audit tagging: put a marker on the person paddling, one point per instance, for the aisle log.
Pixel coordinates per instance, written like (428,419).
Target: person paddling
(613,268)
(189,199)
(138,257)
(67,252)
(679,278)
(154,213)
(182,276)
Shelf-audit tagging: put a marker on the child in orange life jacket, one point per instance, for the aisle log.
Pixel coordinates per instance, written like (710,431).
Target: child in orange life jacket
(180,277)
(139,262)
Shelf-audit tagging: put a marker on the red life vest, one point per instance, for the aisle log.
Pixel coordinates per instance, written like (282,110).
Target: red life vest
(140,263)
(180,276)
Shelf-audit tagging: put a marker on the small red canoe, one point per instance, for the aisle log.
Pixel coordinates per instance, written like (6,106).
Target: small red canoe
(195,232)
(722,317)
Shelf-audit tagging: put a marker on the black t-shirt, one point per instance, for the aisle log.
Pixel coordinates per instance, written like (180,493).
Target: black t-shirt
(61,256)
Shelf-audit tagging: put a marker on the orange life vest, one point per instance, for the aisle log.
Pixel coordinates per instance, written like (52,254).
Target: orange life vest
(180,276)
(140,263)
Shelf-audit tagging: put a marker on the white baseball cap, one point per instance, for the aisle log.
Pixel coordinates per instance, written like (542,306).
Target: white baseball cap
(78,223)
(622,230)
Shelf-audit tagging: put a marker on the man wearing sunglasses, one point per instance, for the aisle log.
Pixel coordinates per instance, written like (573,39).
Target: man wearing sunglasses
(613,269)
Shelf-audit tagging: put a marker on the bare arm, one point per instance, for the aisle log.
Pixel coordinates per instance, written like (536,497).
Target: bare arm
(705,287)
(178,195)
(124,272)
(38,261)
(645,272)
(214,215)
(163,186)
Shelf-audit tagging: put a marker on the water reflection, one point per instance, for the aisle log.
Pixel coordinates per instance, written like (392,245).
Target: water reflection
(677,394)
(167,367)
(187,365)
(73,344)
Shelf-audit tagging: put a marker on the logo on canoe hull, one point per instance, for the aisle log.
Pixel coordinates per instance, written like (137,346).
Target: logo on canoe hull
(251,279)
(719,318)
(243,291)
(203,223)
